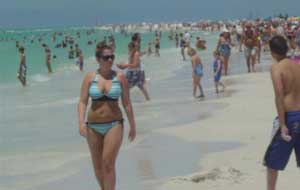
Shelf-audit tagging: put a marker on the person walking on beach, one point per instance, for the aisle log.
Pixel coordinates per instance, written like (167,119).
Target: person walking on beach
(197,72)
(224,48)
(286,82)
(218,66)
(104,127)
(134,72)
(250,47)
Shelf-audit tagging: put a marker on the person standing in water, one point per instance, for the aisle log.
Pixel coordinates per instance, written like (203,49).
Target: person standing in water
(197,74)
(21,74)
(48,59)
(104,127)
(286,83)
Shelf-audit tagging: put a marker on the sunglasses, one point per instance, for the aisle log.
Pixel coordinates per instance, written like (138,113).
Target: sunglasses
(107,57)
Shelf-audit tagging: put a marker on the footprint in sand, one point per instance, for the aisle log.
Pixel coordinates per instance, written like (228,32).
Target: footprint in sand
(230,173)
(212,175)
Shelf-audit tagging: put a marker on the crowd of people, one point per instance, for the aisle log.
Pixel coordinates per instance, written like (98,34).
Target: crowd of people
(105,86)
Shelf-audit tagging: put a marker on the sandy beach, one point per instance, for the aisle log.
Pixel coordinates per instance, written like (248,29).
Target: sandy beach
(246,119)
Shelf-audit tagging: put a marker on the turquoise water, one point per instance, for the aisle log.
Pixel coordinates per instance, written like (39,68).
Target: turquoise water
(35,56)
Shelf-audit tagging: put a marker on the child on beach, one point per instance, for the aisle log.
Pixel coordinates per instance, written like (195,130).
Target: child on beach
(197,72)
(218,66)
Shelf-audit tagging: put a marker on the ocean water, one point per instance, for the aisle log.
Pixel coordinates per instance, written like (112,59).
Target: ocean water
(40,147)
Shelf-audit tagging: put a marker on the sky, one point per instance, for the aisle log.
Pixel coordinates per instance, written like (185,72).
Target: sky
(50,13)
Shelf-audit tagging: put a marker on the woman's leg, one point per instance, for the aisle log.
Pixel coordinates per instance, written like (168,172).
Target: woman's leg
(226,60)
(95,142)
(253,62)
(112,144)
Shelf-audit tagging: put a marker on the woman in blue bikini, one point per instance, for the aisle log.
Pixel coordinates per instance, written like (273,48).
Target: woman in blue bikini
(197,72)
(104,127)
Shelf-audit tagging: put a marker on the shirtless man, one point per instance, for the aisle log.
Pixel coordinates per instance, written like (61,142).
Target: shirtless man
(286,82)
(250,42)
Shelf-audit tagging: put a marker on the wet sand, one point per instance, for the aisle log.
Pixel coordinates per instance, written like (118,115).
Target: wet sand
(246,120)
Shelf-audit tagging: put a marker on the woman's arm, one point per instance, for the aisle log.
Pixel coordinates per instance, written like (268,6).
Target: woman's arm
(126,102)
(82,103)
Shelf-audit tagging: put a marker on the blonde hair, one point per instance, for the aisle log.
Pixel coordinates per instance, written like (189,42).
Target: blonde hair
(191,51)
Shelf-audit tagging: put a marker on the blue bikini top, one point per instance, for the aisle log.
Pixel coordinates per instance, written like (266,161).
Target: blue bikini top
(112,95)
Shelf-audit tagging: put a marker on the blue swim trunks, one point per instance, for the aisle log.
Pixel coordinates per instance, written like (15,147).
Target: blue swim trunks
(279,151)
(135,78)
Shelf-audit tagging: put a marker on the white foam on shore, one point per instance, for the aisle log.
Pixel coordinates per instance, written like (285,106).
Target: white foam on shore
(40,78)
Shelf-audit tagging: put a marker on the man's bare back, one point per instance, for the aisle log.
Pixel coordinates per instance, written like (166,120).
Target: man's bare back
(286,78)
